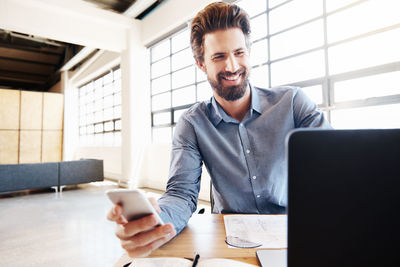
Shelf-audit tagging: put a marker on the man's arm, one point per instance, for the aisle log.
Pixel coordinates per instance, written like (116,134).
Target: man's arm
(306,113)
(180,199)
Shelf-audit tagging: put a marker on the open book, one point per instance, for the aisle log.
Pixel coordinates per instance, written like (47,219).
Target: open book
(181,262)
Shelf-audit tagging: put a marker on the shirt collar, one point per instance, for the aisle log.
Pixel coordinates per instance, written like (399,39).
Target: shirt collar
(217,114)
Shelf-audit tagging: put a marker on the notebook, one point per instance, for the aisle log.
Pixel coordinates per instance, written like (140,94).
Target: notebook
(272,257)
(344,198)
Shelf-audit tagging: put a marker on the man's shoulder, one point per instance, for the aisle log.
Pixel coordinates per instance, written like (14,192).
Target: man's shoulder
(197,110)
(278,90)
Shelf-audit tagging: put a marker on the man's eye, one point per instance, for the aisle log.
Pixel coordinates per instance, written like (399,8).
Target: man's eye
(239,53)
(218,57)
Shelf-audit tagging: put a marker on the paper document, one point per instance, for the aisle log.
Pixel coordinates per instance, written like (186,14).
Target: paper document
(268,230)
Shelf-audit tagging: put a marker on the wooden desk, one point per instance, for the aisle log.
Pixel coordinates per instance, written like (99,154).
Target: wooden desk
(204,234)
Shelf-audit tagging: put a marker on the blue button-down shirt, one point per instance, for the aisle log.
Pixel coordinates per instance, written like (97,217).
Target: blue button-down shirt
(246,160)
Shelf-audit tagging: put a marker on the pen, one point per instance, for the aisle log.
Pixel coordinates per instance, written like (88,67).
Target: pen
(196,259)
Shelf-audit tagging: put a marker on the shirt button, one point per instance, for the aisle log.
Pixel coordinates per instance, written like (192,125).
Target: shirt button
(254,177)
(247,151)
(258,196)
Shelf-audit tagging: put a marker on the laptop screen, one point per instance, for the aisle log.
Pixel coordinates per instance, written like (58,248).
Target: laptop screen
(344,198)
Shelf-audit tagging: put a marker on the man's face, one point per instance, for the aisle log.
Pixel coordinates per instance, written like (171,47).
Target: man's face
(226,63)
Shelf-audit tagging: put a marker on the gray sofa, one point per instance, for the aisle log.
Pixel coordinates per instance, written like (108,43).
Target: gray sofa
(16,177)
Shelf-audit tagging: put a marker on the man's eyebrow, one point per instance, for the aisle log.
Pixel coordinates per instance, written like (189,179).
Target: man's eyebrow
(218,54)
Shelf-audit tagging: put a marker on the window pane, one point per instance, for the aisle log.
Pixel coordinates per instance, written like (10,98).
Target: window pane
(259,76)
(161,118)
(367,87)
(314,93)
(183,77)
(204,91)
(160,50)
(118,125)
(178,113)
(253,7)
(162,135)
(259,27)
(117,86)
(273,3)
(98,83)
(109,101)
(293,13)
(108,114)
(343,24)
(108,89)
(109,126)
(160,67)
(117,99)
(181,41)
(182,59)
(108,78)
(90,97)
(98,128)
(297,40)
(366,52)
(89,108)
(90,118)
(259,52)
(82,120)
(384,116)
(117,74)
(161,84)
(98,116)
(117,112)
(98,105)
(161,101)
(90,129)
(184,96)
(299,68)
(336,4)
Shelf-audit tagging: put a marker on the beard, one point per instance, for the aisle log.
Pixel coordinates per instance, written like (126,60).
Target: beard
(230,93)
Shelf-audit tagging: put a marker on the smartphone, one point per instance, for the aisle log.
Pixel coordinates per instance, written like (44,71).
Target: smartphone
(134,203)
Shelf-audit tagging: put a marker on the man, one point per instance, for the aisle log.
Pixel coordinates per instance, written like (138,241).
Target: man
(239,135)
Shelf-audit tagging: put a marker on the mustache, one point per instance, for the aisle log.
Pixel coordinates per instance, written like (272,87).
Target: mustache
(228,73)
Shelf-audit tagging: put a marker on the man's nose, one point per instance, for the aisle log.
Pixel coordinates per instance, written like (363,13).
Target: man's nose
(231,63)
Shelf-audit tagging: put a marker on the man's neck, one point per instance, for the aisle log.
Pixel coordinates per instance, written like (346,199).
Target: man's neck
(236,109)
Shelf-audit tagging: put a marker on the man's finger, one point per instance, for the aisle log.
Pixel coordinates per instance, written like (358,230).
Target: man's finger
(135,250)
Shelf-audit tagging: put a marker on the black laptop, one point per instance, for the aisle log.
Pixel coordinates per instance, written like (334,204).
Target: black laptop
(344,198)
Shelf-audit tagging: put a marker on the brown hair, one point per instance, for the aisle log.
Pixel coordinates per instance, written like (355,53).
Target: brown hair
(217,16)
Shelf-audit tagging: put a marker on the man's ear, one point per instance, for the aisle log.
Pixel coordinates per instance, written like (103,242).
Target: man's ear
(201,65)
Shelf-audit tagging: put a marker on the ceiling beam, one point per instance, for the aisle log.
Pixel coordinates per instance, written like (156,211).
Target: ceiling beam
(22,77)
(28,67)
(13,53)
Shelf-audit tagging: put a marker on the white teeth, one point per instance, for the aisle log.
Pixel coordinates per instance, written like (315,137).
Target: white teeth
(231,78)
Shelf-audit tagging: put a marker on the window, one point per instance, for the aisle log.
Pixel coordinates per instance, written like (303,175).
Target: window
(176,83)
(346,62)
(100,111)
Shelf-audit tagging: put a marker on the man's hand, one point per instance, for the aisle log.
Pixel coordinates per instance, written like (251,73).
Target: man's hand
(140,237)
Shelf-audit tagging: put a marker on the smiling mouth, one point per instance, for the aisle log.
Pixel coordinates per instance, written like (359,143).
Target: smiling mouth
(231,76)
